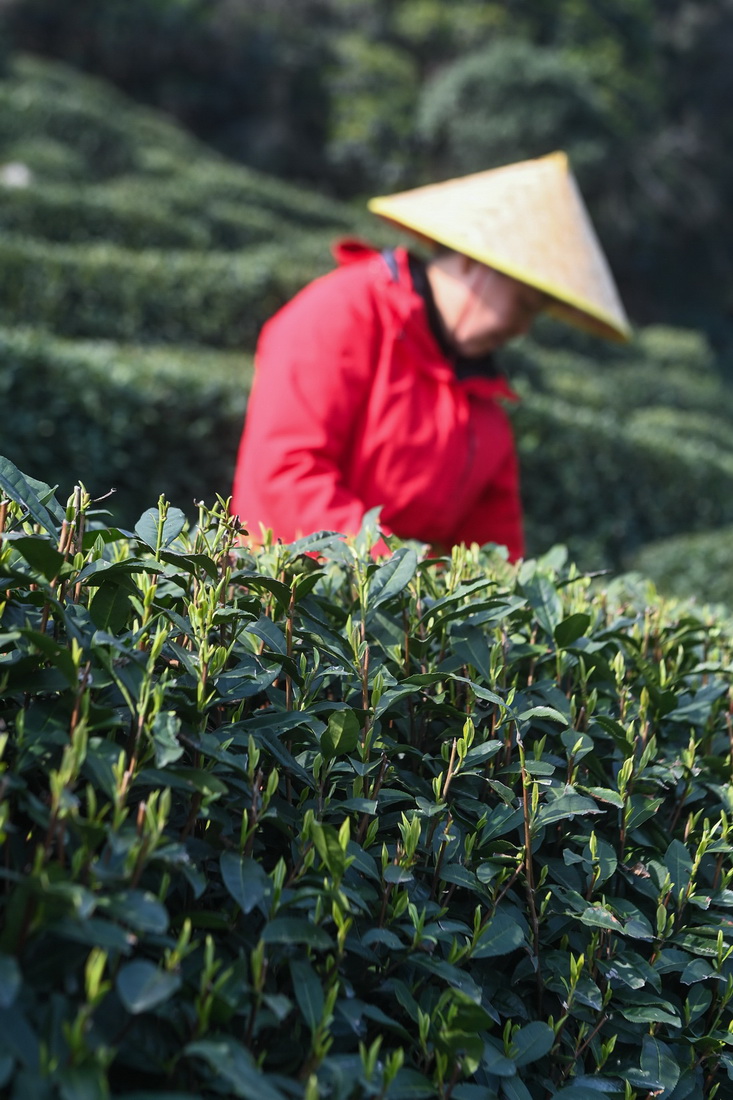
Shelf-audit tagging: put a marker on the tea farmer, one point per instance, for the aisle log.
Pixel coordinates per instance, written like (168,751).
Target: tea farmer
(376,385)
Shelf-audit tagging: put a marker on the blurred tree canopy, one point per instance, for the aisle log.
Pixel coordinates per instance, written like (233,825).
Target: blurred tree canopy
(368,96)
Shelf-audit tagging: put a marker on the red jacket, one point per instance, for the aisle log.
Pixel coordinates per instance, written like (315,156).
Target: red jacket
(355,405)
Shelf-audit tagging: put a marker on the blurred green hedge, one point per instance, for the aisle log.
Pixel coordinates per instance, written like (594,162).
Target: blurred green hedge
(606,486)
(137,213)
(106,292)
(694,566)
(168,420)
(139,421)
(143,252)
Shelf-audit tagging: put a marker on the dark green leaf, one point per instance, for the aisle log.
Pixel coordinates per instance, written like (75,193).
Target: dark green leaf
(292,930)
(139,910)
(41,555)
(158,537)
(495,1061)
(168,749)
(232,1062)
(678,862)
(572,628)
(659,1064)
(501,935)
(532,1042)
(308,991)
(10,980)
(392,577)
(142,986)
(110,608)
(245,880)
(341,736)
(545,602)
(23,491)
(514,1089)
(566,806)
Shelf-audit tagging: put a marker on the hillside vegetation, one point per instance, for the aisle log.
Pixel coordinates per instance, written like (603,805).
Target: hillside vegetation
(136,267)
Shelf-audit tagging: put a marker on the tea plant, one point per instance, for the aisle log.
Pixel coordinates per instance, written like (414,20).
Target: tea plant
(292,822)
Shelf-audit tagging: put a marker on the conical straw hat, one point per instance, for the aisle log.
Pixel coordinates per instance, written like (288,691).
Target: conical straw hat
(529,221)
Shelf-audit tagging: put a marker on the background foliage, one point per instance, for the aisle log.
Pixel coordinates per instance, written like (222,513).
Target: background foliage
(278,827)
(136,262)
(360,96)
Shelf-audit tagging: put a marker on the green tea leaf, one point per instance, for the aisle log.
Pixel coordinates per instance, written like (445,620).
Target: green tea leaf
(294,930)
(341,736)
(233,1062)
(501,935)
(392,578)
(245,880)
(142,986)
(678,862)
(308,991)
(532,1042)
(148,530)
(572,628)
(110,608)
(10,980)
(165,730)
(23,491)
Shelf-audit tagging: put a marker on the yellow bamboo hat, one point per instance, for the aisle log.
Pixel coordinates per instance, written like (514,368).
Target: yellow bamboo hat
(529,221)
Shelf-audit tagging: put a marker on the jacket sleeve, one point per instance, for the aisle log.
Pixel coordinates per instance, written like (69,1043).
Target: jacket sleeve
(314,367)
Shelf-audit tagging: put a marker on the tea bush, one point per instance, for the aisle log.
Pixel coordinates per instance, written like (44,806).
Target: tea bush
(291,822)
(607,485)
(69,214)
(141,420)
(105,292)
(691,566)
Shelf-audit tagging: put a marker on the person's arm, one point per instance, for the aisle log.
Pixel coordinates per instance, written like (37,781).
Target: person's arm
(315,364)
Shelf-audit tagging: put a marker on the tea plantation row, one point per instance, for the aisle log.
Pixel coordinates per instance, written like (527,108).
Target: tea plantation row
(292,823)
(168,420)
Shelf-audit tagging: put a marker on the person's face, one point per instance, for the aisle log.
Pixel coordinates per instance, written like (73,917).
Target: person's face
(495,309)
